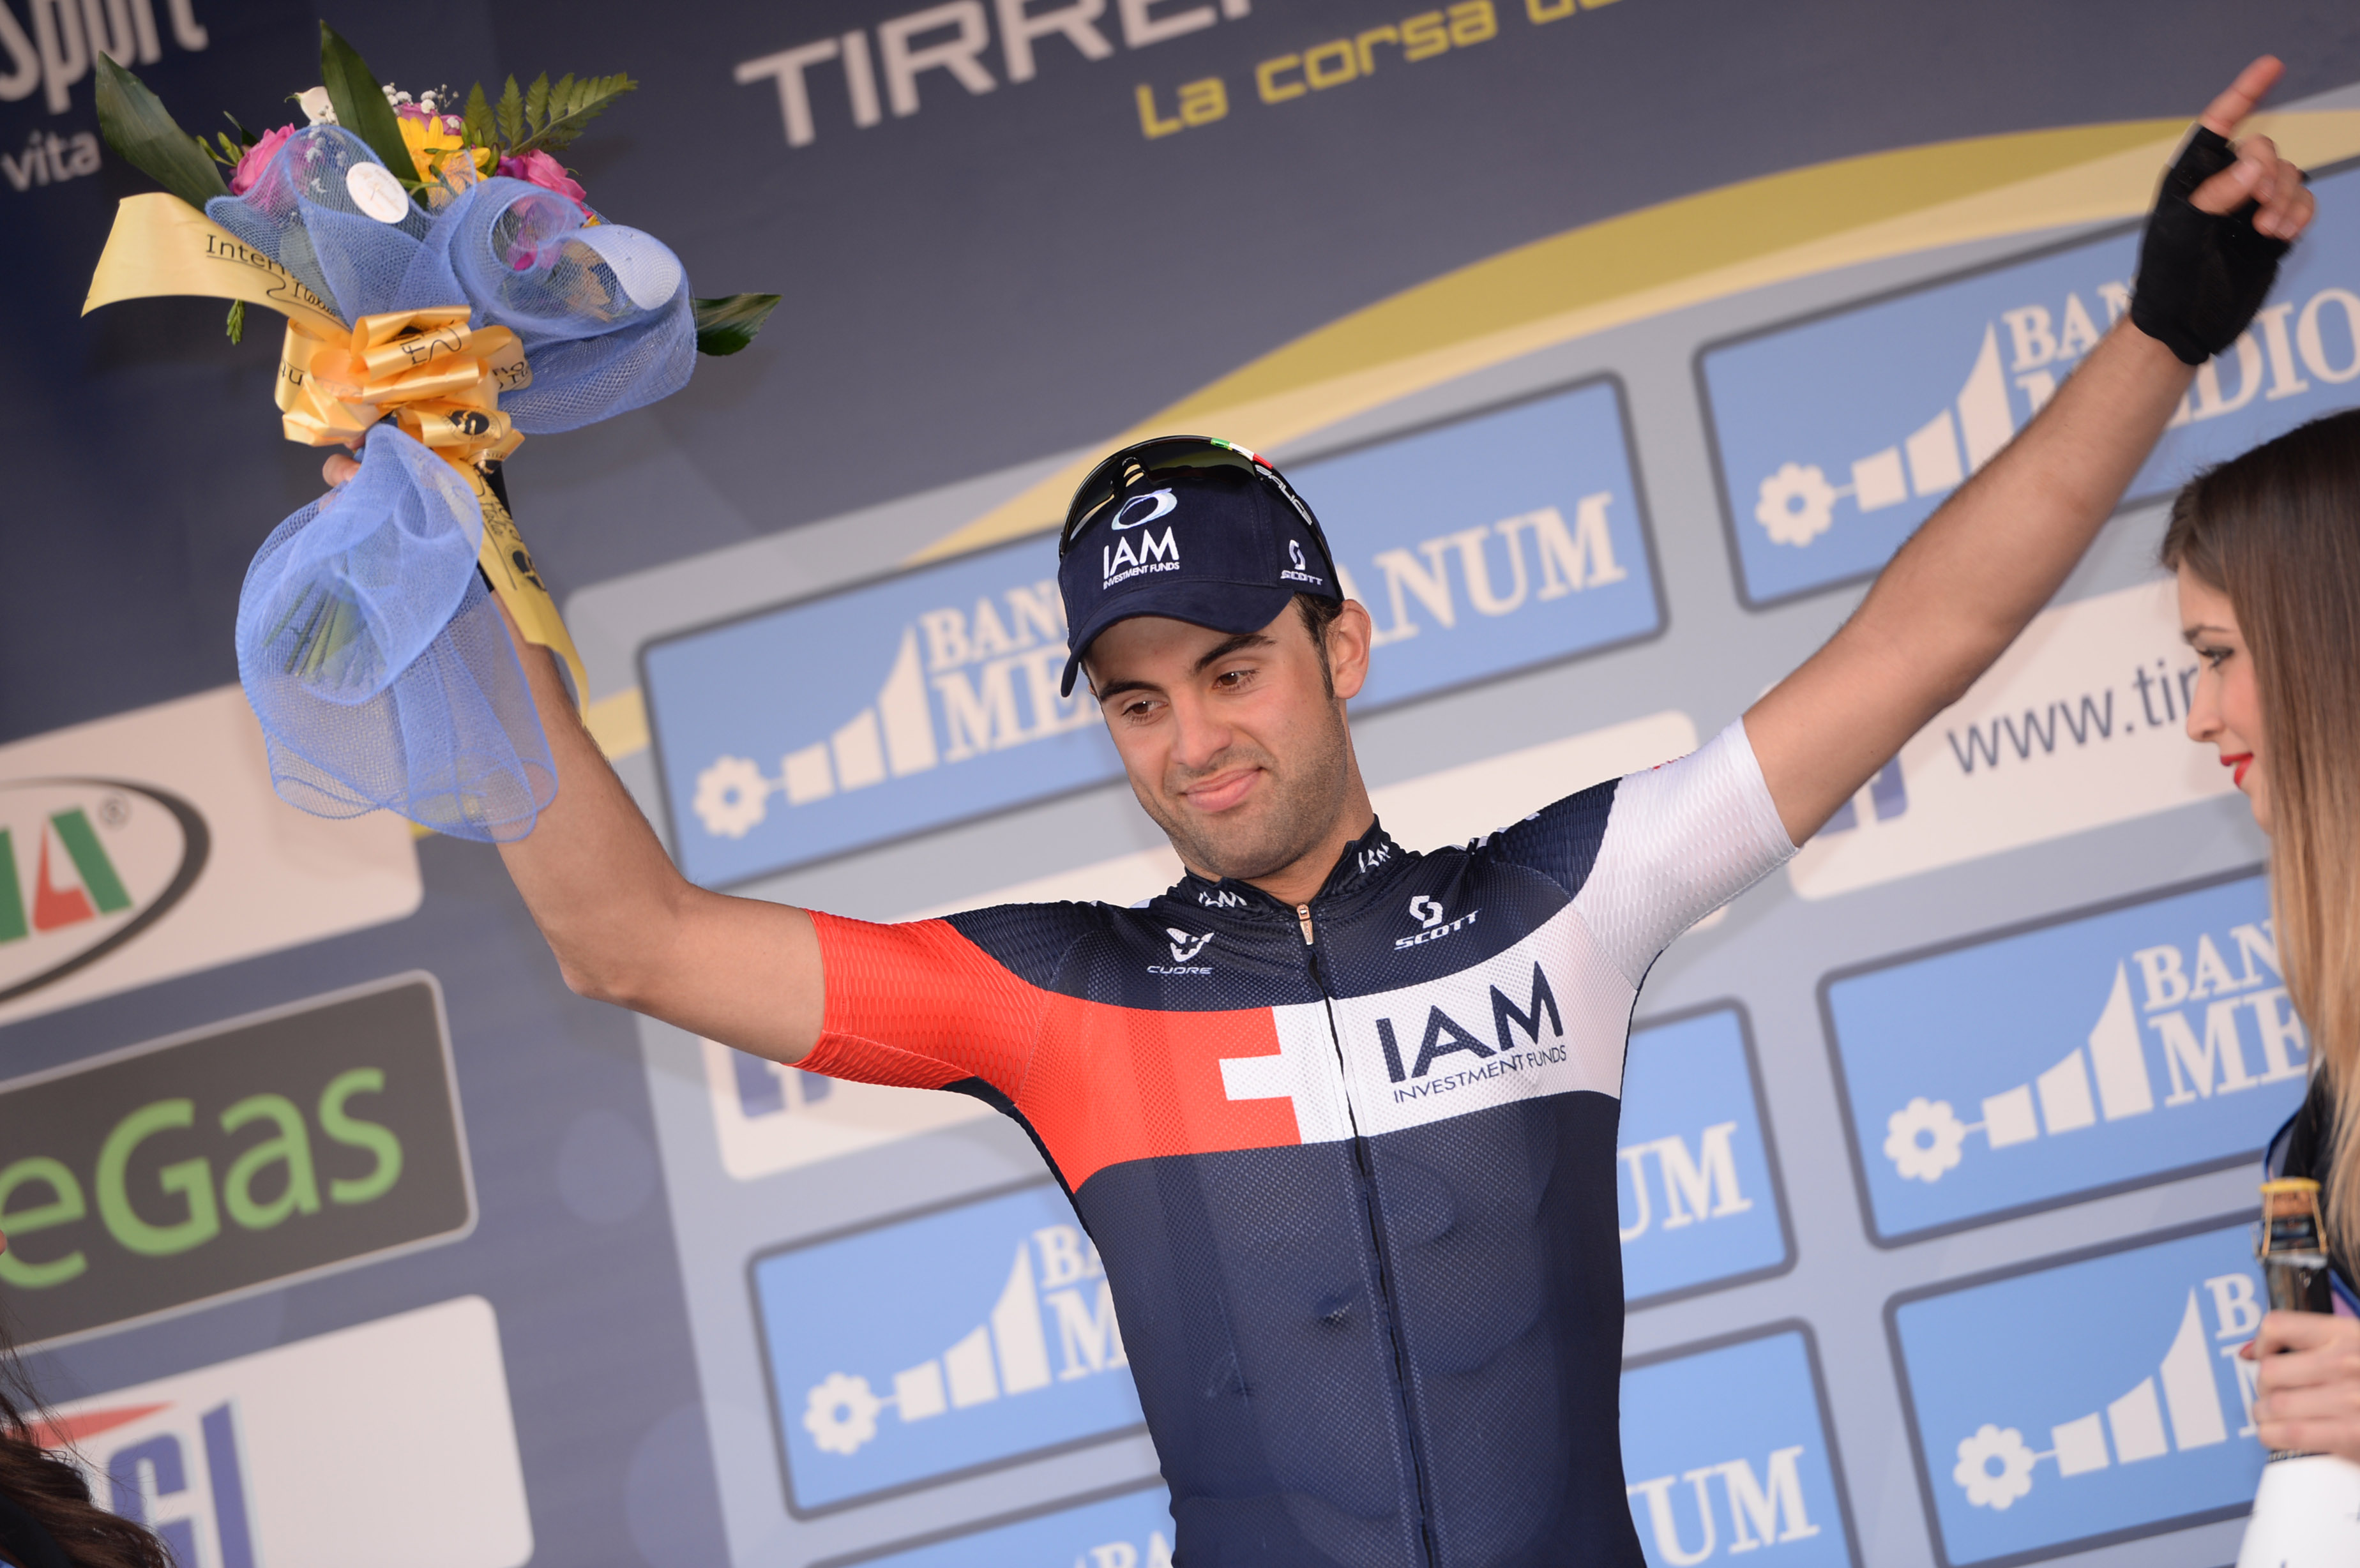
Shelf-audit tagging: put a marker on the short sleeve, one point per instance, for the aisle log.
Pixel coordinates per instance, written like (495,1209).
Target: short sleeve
(927,1004)
(1678,842)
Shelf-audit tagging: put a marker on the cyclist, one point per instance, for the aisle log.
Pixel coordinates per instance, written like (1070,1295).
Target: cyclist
(1355,1193)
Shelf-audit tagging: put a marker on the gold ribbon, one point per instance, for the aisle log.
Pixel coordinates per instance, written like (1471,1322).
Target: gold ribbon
(430,373)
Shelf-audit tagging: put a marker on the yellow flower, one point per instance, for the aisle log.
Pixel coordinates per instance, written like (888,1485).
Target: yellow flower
(428,141)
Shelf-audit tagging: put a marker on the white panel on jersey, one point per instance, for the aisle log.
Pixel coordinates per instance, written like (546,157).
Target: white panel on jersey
(1681,840)
(1546,1016)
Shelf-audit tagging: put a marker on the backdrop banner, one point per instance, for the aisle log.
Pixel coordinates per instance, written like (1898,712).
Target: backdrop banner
(1616,343)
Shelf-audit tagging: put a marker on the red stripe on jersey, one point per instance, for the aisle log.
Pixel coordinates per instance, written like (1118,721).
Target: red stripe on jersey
(1100,1084)
(1117,1083)
(948,1009)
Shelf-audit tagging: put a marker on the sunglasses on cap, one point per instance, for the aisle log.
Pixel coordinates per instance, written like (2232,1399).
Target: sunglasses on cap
(1163,457)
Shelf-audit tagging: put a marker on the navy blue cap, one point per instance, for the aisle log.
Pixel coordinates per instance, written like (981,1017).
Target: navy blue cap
(1216,547)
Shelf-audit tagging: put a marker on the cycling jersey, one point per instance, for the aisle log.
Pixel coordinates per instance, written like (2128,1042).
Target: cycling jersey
(1351,1165)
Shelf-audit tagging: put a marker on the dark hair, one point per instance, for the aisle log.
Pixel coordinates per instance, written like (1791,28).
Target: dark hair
(53,1491)
(1318,615)
(2278,532)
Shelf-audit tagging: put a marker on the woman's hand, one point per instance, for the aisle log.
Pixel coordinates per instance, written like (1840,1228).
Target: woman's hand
(2308,1399)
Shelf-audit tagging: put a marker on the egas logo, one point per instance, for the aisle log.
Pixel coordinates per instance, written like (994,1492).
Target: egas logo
(85,865)
(1760,1476)
(2103,1048)
(1700,1207)
(956,1340)
(1837,436)
(240,1155)
(319,1451)
(1130,1528)
(2042,1423)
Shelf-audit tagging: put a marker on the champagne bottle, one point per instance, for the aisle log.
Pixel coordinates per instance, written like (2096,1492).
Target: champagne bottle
(2306,1513)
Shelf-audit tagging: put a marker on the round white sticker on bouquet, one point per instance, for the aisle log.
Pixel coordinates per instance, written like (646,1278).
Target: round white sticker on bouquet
(375,191)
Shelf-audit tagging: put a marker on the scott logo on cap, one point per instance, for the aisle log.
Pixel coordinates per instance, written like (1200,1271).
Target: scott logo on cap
(1296,573)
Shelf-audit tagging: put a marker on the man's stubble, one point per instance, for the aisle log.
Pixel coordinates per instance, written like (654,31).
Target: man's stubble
(1299,804)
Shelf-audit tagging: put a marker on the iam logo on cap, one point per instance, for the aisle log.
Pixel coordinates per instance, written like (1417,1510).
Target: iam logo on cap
(969,1337)
(2100,1398)
(2123,1045)
(1838,436)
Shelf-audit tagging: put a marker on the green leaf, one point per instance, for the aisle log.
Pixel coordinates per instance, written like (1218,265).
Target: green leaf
(144,135)
(479,118)
(360,104)
(536,101)
(510,117)
(244,136)
(728,324)
(562,96)
(591,96)
(237,324)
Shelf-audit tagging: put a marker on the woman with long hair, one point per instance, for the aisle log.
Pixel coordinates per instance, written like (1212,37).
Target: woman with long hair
(2267,550)
(47,1518)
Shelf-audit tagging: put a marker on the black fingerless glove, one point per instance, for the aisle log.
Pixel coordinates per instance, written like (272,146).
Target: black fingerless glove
(2202,275)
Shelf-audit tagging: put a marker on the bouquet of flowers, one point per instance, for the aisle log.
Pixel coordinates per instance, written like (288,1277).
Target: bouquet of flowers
(448,291)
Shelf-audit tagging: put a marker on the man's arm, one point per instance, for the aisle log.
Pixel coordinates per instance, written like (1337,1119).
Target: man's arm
(1966,583)
(628,928)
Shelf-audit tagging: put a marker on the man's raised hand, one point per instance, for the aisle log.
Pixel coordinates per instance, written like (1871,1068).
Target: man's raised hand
(2259,175)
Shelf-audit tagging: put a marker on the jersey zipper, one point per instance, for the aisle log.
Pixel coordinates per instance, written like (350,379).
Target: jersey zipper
(1376,1236)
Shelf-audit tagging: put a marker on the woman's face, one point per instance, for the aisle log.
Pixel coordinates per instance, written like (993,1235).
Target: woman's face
(2226,709)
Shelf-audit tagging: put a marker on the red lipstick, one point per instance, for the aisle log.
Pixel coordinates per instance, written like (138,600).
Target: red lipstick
(2238,766)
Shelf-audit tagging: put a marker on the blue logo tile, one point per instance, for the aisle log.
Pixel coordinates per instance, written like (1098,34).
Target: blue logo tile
(1131,1529)
(2097,1400)
(1502,540)
(1726,1450)
(1700,1202)
(1835,436)
(2107,1049)
(958,1340)
(1492,543)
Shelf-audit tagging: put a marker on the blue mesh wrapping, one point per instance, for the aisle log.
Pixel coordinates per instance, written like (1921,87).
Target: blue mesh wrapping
(379,664)
(367,643)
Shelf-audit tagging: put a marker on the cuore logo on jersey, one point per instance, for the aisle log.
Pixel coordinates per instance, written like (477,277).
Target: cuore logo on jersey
(85,865)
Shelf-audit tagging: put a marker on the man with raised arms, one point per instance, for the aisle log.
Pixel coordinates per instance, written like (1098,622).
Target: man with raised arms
(1356,1197)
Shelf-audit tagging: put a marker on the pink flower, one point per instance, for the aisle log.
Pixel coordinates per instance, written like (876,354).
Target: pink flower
(545,171)
(258,157)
